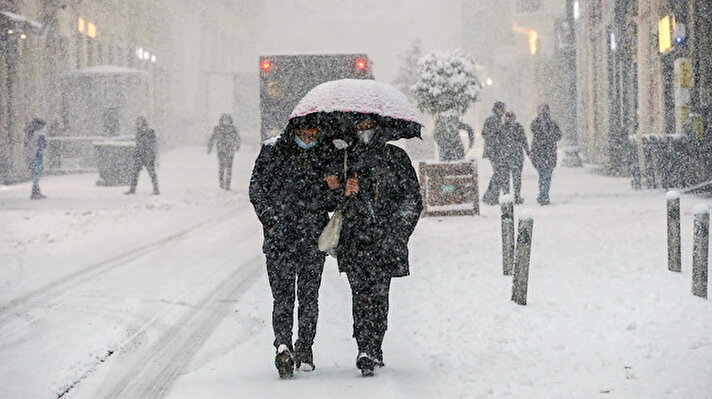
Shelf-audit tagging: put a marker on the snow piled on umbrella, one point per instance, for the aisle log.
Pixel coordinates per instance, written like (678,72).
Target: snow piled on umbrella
(360,96)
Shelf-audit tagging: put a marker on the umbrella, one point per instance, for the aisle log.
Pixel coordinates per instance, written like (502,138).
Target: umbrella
(351,97)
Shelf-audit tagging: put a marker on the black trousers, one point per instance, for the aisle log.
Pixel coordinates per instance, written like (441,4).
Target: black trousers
(150,167)
(369,300)
(285,270)
(496,183)
(225,169)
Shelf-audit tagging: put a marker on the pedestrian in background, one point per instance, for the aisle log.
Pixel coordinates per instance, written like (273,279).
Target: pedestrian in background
(545,135)
(447,136)
(227,141)
(35,144)
(514,146)
(144,155)
(491,134)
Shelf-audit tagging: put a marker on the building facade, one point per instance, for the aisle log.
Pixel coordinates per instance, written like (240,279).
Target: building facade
(627,55)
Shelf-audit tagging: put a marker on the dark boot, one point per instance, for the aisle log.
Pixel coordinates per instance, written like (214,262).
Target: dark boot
(303,355)
(284,361)
(365,363)
(36,194)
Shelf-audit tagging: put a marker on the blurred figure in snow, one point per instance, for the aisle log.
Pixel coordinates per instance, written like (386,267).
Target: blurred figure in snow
(35,143)
(545,134)
(227,140)
(514,146)
(447,136)
(144,155)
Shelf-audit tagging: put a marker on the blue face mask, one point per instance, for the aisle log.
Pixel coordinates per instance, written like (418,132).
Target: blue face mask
(304,145)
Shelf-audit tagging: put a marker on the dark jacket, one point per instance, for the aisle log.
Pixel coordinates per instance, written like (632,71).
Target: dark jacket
(289,194)
(225,138)
(379,220)
(545,134)
(491,135)
(146,145)
(513,144)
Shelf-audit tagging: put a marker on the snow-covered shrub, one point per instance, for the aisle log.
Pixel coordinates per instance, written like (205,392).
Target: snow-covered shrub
(447,81)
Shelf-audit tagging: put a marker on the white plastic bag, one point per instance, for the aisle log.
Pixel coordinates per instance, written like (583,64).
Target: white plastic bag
(329,238)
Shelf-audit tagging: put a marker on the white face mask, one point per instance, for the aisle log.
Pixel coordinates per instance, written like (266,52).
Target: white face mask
(365,136)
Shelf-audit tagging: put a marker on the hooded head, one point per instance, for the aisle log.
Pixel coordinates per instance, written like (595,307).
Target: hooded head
(498,108)
(225,119)
(141,122)
(543,110)
(509,117)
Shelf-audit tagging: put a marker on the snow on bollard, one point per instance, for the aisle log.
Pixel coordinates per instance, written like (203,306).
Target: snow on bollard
(673,231)
(520,280)
(700,252)
(507,205)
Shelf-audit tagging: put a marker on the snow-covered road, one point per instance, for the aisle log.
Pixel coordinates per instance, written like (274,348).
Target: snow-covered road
(104,295)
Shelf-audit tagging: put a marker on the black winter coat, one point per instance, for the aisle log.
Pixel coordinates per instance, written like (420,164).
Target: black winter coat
(491,135)
(146,145)
(289,194)
(545,134)
(514,144)
(379,220)
(226,139)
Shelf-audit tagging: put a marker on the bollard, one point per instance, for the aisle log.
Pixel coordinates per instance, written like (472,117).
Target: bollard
(700,252)
(673,231)
(520,281)
(507,205)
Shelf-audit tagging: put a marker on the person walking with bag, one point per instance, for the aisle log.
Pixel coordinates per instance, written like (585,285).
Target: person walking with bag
(382,206)
(292,201)
(227,141)
(545,134)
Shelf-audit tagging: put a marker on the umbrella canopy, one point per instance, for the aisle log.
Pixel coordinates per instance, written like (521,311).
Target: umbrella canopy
(391,108)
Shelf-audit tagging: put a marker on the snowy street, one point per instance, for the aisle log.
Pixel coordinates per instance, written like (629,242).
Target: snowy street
(107,295)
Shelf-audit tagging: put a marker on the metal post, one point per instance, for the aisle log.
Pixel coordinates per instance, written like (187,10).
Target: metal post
(507,205)
(520,280)
(673,231)
(700,252)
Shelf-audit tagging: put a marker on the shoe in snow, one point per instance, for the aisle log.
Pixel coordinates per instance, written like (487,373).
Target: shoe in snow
(303,358)
(365,363)
(284,361)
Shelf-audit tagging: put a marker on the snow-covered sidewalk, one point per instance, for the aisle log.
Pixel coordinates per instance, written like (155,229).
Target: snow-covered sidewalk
(605,317)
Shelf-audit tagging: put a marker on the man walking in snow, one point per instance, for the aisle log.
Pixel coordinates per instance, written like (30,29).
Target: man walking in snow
(514,146)
(227,141)
(491,133)
(144,155)
(292,200)
(545,135)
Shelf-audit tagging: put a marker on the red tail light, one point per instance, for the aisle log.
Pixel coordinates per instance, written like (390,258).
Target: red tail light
(361,64)
(266,66)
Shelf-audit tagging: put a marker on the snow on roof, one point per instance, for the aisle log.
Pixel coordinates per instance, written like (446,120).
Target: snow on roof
(357,95)
(108,70)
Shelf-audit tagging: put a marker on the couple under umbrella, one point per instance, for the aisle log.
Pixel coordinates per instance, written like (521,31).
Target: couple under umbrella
(334,155)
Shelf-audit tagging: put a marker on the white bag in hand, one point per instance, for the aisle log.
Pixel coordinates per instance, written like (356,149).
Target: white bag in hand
(329,238)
